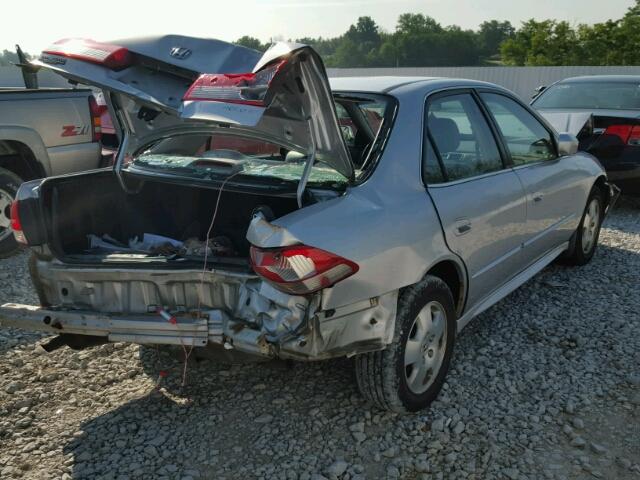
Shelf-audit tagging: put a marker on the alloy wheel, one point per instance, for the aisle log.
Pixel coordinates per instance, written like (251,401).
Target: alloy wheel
(5,214)
(590,225)
(425,348)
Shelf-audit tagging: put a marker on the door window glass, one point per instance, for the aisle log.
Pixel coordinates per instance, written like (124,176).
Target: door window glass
(462,139)
(527,140)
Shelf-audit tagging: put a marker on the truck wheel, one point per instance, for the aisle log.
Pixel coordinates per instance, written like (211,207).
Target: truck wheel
(408,375)
(585,240)
(9,183)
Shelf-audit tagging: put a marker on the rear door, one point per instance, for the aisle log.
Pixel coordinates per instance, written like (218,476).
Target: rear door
(551,187)
(480,200)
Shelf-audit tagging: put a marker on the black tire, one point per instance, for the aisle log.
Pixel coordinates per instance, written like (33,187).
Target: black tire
(382,376)
(580,253)
(9,184)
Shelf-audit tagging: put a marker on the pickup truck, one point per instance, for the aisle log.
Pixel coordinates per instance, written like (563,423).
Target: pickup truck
(44,132)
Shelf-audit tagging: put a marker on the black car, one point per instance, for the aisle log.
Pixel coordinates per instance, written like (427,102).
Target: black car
(604,113)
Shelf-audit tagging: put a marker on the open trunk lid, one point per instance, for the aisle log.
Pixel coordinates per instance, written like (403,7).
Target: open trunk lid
(158,84)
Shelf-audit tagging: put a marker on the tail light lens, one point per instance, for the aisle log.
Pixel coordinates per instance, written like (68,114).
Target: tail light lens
(300,270)
(96,112)
(634,136)
(244,88)
(16,226)
(111,56)
(628,134)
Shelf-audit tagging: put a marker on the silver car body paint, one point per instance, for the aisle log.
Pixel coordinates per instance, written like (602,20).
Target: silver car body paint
(393,226)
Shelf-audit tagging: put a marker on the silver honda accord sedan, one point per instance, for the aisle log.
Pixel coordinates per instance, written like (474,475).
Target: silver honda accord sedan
(266,211)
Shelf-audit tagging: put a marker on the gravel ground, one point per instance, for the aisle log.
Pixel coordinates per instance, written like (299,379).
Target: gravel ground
(546,384)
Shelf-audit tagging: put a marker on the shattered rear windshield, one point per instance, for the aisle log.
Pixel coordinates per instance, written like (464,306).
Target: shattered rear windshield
(363,120)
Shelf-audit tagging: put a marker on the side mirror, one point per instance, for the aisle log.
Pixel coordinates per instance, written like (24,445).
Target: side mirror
(567,144)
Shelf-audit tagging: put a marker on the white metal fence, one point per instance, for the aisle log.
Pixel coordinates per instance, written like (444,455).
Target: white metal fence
(12,77)
(521,80)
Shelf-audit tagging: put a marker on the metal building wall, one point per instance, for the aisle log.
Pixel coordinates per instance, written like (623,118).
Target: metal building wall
(520,80)
(12,77)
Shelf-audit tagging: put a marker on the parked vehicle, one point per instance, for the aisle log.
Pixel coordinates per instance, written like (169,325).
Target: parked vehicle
(453,195)
(43,132)
(604,112)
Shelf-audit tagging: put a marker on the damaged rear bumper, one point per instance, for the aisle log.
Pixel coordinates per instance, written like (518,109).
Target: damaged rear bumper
(357,328)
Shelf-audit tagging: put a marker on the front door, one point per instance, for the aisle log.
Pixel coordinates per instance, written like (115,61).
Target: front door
(551,188)
(480,200)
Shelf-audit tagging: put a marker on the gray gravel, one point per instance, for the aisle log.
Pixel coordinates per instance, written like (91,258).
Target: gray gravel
(546,384)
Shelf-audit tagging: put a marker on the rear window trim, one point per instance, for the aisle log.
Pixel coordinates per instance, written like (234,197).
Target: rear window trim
(392,115)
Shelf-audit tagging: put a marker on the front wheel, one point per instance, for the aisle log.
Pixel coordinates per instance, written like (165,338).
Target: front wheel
(408,375)
(583,245)
(9,184)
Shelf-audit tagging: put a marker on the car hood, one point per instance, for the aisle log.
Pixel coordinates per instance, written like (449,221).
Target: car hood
(167,85)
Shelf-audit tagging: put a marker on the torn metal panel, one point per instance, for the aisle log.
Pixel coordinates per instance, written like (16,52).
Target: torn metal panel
(265,234)
(361,327)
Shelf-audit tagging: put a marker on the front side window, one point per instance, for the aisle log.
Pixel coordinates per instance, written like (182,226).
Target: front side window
(462,140)
(527,140)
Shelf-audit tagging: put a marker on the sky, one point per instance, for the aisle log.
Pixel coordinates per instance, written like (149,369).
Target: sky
(34,24)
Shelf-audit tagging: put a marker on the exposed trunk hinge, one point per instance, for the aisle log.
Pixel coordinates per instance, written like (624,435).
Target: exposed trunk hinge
(124,143)
(311,158)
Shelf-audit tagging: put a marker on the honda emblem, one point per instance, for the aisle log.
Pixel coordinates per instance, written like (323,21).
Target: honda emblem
(180,53)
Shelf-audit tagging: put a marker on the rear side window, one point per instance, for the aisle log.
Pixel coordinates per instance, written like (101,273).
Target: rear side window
(462,140)
(526,138)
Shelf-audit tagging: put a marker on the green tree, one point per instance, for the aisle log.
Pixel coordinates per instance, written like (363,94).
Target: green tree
(252,42)
(542,43)
(491,34)
(8,57)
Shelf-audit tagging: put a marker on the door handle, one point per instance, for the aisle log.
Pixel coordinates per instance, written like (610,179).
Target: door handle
(463,226)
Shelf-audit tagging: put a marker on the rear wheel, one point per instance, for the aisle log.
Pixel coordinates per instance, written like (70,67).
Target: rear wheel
(9,183)
(408,375)
(586,237)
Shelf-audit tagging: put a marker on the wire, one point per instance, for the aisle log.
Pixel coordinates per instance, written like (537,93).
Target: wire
(187,354)
(206,244)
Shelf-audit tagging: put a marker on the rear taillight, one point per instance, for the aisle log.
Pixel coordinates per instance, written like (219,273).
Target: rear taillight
(16,226)
(634,136)
(300,269)
(244,88)
(96,112)
(114,57)
(628,134)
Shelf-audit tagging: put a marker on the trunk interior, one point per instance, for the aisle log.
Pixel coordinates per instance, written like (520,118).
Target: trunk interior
(96,204)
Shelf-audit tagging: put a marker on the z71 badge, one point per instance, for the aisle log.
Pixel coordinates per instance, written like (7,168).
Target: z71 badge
(74,130)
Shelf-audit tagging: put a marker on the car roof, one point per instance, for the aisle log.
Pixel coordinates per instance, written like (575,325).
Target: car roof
(373,84)
(390,83)
(602,79)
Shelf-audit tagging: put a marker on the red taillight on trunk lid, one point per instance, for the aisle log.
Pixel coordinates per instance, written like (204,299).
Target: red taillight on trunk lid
(244,88)
(628,134)
(299,269)
(16,226)
(114,57)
